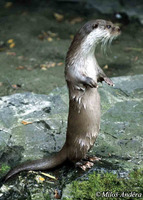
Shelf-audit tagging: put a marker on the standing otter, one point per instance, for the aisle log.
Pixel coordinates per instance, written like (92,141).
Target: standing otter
(82,73)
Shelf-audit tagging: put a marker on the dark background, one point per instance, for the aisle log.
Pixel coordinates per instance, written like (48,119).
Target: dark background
(35,36)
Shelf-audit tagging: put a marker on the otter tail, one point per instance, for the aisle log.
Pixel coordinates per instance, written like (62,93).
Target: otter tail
(41,164)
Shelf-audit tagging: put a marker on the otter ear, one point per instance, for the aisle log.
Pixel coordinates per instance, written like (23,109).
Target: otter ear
(95,25)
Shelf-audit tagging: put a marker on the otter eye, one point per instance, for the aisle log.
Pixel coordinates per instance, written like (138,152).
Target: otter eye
(108,26)
(94,26)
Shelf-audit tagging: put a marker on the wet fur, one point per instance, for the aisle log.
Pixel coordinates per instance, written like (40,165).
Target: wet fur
(83,124)
(82,73)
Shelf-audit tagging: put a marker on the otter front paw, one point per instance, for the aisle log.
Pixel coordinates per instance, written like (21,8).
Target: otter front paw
(108,81)
(90,82)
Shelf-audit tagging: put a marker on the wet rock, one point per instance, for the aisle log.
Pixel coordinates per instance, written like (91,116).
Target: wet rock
(120,141)
(121,136)
(45,118)
(132,9)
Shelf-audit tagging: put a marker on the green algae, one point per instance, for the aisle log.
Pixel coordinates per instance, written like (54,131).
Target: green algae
(4,168)
(107,186)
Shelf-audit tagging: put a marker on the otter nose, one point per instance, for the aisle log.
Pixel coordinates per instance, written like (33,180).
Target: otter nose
(118,29)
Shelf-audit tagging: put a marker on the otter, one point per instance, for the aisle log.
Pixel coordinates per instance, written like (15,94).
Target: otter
(82,73)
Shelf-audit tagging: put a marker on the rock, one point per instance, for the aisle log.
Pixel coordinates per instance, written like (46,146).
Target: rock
(46,123)
(47,115)
(121,137)
(120,141)
(132,9)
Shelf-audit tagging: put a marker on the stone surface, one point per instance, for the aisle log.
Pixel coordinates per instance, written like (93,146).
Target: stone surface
(131,8)
(121,137)
(46,116)
(119,144)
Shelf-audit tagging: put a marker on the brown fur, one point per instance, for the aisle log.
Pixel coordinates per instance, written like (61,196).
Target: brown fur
(84,100)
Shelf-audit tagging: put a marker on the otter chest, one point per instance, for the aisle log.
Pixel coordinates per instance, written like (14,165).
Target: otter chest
(90,69)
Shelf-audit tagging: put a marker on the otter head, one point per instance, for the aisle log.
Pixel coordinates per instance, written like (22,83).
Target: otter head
(96,31)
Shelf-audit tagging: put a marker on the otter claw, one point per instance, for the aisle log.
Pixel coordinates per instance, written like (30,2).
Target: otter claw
(93,159)
(108,81)
(84,165)
(90,82)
